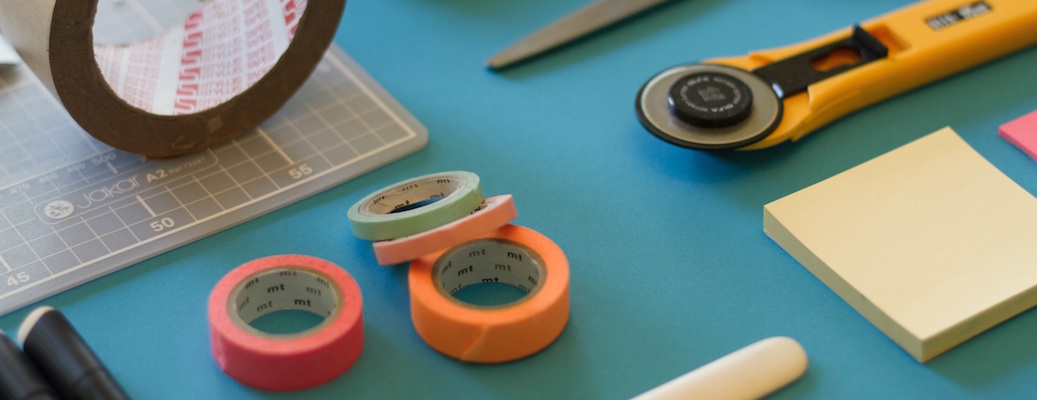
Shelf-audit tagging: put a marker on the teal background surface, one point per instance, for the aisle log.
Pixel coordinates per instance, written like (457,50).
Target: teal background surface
(670,265)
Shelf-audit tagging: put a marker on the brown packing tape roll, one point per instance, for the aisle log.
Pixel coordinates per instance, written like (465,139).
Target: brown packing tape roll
(190,88)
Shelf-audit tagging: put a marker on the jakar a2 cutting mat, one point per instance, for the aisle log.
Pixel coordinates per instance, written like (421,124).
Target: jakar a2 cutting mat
(73,209)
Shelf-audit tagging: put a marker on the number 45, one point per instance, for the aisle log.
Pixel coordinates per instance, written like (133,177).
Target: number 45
(20,278)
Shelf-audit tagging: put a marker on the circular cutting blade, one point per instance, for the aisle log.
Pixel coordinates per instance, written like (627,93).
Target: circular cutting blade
(656,112)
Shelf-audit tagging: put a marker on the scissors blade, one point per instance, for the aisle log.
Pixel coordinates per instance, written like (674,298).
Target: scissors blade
(573,26)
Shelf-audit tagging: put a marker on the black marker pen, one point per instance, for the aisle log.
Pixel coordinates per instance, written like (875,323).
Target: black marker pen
(51,342)
(19,378)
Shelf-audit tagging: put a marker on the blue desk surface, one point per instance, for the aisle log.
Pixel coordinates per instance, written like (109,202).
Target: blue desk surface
(670,265)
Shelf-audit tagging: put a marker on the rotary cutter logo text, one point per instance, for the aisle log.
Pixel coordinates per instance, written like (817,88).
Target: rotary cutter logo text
(711,94)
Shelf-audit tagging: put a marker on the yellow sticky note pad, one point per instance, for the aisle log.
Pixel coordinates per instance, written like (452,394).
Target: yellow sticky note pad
(929,242)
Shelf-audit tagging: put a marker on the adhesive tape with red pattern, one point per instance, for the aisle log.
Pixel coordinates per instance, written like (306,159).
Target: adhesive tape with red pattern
(230,66)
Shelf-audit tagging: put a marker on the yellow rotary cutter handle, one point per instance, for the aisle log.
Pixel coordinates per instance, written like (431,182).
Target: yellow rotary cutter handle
(781,94)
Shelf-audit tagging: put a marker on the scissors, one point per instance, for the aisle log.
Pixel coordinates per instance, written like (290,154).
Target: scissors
(771,96)
(574,26)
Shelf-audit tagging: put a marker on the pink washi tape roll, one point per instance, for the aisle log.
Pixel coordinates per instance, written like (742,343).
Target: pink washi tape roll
(494,213)
(286,361)
(1022,132)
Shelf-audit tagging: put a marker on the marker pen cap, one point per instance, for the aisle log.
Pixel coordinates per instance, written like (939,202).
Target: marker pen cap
(51,342)
(19,378)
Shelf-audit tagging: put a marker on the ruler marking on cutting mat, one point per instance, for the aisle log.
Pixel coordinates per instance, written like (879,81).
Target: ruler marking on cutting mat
(146,207)
(261,133)
(110,209)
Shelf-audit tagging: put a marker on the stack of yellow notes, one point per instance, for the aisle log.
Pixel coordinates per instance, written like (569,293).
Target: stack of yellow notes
(929,242)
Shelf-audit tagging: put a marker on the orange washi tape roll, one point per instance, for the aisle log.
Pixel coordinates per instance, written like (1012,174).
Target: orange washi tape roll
(286,361)
(512,254)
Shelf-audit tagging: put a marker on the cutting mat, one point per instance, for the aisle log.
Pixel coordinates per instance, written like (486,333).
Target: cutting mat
(73,209)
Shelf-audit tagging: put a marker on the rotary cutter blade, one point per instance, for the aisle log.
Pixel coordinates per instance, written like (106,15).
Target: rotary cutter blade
(771,96)
(708,106)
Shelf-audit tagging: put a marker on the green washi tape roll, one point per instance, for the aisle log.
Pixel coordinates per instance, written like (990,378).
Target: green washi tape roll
(416,205)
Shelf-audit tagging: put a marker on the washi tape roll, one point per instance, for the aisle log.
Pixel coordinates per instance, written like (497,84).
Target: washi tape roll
(416,205)
(494,213)
(286,361)
(514,255)
(227,69)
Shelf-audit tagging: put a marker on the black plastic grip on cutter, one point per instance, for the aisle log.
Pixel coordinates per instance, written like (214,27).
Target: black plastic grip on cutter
(794,74)
(19,378)
(67,362)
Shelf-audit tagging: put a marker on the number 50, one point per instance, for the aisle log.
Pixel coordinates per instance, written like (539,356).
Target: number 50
(161,225)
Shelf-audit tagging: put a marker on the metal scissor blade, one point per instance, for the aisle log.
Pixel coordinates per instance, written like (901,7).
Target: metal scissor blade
(571,27)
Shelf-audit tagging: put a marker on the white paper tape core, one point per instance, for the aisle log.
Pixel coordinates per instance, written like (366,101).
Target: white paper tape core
(285,288)
(488,261)
(425,190)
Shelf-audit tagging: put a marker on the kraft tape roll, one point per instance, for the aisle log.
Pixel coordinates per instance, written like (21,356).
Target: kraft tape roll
(512,254)
(227,69)
(7,54)
(416,205)
(494,213)
(286,361)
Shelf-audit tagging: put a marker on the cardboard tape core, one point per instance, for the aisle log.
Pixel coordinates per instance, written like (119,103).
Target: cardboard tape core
(486,261)
(401,197)
(231,66)
(289,288)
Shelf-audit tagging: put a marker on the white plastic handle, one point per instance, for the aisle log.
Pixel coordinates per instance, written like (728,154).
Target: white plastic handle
(749,373)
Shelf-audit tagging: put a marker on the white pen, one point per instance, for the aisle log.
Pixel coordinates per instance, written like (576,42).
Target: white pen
(749,373)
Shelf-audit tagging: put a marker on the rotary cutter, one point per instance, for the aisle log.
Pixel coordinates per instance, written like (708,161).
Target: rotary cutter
(771,96)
